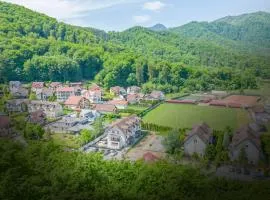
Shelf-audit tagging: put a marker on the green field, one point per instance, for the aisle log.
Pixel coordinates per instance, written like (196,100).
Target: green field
(185,116)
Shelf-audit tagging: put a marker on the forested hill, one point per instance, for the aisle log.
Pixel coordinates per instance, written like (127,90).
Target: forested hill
(34,46)
(251,28)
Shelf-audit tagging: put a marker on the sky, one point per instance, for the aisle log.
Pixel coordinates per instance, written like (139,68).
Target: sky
(119,15)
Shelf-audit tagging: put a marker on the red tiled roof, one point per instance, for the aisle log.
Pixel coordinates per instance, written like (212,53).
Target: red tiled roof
(149,157)
(118,102)
(94,87)
(37,84)
(73,100)
(55,84)
(104,107)
(65,89)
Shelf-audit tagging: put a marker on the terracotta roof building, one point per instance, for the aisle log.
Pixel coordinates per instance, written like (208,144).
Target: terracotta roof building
(104,108)
(77,102)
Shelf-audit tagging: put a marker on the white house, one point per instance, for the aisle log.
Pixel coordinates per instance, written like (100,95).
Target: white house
(123,132)
(133,90)
(198,139)
(249,141)
(63,93)
(94,96)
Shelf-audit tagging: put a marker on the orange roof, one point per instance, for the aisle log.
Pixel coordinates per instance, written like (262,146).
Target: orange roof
(104,107)
(149,157)
(38,84)
(73,100)
(118,102)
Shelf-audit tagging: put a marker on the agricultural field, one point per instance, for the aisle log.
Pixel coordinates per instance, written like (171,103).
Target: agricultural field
(185,116)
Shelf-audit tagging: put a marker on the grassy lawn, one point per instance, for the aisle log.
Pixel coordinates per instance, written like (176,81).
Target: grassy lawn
(185,116)
(137,107)
(65,140)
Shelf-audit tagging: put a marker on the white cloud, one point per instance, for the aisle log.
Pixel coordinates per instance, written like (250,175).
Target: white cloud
(67,9)
(154,6)
(140,19)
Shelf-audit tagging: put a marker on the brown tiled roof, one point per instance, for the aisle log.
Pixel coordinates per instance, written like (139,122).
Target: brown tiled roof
(203,131)
(38,84)
(124,123)
(150,157)
(94,86)
(104,107)
(132,97)
(73,100)
(118,102)
(4,122)
(245,133)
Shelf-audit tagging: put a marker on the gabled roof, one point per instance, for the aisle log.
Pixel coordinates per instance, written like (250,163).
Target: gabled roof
(118,102)
(55,84)
(94,86)
(243,134)
(73,100)
(104,107)
(125,123)
(203,131)
(150,157)
(37,84)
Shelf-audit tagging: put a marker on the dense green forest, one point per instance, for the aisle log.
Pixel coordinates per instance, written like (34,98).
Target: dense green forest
(44,171)
(35,47)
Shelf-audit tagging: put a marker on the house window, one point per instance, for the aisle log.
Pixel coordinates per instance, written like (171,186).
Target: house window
(195,141)
(247,146)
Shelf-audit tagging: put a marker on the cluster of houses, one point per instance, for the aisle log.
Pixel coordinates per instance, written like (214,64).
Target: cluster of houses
(87,105)
(246,139)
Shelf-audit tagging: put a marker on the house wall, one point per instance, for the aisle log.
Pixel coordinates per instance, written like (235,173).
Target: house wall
(194,145)
(253,154)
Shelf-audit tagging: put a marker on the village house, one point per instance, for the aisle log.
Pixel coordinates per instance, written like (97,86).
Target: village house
(117,90)
(17,90)
(94,96)
(133,90)
(135,98)
(156,96)
(62,125)
(51,109)
(44,94)
(77,102)
(5,126)
(197,140)
(123,132)
(63,93)
(76,84)
(17,105)
(55,85)
(69,125)
(91,115)
(37,117)
(119,104)
(94,87)
(37,86)
(104,108)
(248,140)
